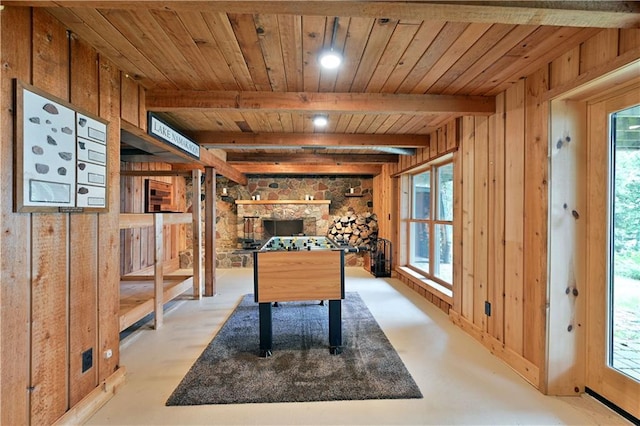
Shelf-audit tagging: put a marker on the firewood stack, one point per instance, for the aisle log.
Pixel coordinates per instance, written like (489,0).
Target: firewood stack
(356,230)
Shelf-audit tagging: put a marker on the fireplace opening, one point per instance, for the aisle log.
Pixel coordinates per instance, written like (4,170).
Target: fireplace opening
(282,227)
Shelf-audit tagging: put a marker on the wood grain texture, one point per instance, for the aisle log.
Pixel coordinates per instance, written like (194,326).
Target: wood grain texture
(536,203)
(158,272)
(15,235)
(108,237)
(290,276)
(49,249)
(496,201)
(514,219)
(129,100)
(467,214)
(83,238)
(209,233)
(481,221)
(567,249)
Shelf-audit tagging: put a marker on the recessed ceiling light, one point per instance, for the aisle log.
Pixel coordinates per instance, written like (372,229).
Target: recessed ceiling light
(330,59)
(320,120)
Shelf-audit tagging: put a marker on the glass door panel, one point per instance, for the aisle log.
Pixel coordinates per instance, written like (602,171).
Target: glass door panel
(624,281)
(613,252)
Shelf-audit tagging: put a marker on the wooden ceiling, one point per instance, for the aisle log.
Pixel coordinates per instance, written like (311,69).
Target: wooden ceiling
(243,76)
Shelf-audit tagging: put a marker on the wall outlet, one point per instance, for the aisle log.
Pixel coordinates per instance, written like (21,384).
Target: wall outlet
(487,308)
(87,359)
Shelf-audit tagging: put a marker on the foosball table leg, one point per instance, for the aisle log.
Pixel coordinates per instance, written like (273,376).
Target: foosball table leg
(335,327)
(266,332)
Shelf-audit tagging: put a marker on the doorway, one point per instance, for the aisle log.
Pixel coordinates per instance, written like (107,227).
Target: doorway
(613,254)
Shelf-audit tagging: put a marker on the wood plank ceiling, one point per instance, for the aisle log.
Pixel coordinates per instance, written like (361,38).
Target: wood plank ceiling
(243,76)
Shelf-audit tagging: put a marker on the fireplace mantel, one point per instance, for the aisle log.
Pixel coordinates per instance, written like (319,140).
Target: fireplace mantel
(257,202)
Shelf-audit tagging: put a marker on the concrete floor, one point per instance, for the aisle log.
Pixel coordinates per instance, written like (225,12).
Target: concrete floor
(461,381)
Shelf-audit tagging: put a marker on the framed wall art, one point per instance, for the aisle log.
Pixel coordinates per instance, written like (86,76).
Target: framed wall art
(61,155)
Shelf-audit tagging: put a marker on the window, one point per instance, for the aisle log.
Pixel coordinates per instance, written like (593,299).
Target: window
(430,236)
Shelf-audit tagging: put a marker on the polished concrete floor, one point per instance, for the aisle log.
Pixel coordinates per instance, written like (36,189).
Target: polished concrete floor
(461,381)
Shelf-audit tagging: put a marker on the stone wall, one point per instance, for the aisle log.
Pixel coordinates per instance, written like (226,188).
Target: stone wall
(229,231)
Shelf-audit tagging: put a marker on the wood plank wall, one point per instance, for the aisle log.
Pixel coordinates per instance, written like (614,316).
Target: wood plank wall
(136,245)
(501,213)
(59,284)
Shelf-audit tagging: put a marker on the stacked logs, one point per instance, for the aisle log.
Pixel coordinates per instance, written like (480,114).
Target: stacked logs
(356,230)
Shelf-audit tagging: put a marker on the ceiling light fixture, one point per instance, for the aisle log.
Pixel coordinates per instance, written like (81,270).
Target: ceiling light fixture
(320,120)
(330,59)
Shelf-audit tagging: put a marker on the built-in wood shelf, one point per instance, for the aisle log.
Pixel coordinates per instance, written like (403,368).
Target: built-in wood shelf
(257,202)
(349,194)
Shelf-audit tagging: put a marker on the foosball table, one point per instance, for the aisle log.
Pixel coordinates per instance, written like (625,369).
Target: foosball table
(288,269)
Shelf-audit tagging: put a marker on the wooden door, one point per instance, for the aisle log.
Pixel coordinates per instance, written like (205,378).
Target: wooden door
(613,294)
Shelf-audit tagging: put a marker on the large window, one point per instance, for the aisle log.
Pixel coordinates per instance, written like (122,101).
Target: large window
(431,223)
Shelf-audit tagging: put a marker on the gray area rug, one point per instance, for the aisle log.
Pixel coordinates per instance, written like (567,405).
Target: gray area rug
(229,371)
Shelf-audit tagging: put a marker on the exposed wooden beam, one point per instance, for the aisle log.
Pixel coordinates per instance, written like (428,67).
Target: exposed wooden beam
(557,13)
(207,158)
(151,173)
(271,140)
(308,169)
(379,103)
(334,159)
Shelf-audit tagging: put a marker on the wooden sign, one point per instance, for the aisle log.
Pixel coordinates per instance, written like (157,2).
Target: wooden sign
(165,133)
(61,155)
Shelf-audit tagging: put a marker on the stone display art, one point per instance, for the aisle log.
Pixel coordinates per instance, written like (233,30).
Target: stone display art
(62,155)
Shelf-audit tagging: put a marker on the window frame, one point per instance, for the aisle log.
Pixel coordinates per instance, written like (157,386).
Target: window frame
(432,221)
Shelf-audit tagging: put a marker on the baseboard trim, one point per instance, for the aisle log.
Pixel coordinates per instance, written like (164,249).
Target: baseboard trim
(522,366)
(90,404)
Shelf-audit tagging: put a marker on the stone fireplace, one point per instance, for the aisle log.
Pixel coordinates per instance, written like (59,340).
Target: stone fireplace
(311,217)
(285,228)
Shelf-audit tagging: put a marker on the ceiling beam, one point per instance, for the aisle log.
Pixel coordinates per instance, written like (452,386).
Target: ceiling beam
(230,140)
(310,169)
(305,158)
(605,14)
(167,153)
(379,103)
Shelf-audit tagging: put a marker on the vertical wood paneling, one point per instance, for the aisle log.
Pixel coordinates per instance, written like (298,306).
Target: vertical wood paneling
(629,39)
(137,244)
(50,248)
(535,227)
(599,49)
(467,158)
(142,109)
(108,237)
(433,144)
(567,247)
(480,219)
(495,326)
(15,258)
(210,232)
(458,247)
(565,68)
(129,100)
(83,231)
(137,206)
(514,217)
(126,235)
